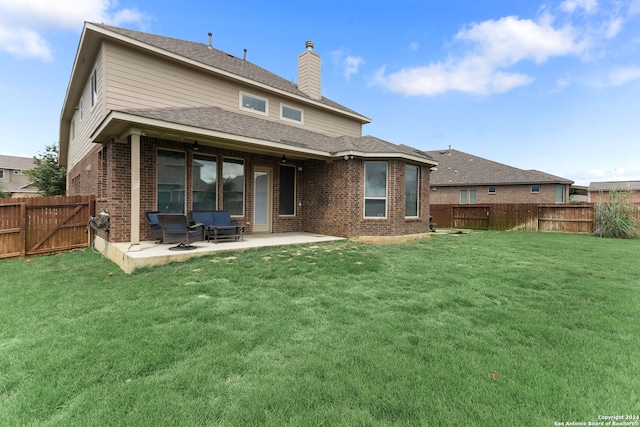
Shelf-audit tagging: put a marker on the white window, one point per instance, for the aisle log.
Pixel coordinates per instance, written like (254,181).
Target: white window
(492,189)
(535,188)
(559,193)
(291,114)
(94,87)
(375,189)
(171,180)
(253,103)
(467,197)
(412,187)
(233,186)
(204,170)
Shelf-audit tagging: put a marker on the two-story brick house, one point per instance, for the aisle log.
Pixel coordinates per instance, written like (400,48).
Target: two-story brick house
(155,123)
(12,177)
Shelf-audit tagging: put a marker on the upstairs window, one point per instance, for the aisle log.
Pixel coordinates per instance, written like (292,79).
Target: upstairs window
(290,113)
(254,103)
(535,188)
(94,87)
(492,189)
(1,173)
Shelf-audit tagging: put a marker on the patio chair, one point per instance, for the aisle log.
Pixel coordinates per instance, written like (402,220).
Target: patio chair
(176,229)
(156,230)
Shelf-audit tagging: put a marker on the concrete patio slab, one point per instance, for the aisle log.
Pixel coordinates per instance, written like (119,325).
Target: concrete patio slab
(145,254)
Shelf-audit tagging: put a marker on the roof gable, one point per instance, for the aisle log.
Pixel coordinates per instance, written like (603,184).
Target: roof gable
(458,168)
(212,57)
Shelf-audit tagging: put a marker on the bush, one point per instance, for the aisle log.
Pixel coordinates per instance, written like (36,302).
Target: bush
(617,217)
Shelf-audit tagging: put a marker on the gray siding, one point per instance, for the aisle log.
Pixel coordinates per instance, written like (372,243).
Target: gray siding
(87,117)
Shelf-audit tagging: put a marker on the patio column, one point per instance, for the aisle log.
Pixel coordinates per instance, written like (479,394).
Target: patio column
(135,186)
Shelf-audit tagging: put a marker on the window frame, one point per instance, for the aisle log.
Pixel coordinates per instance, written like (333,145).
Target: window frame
(534,191)
(467,197)
(94,87)
(558,187)
(200,156)
(1,173)
(295,189)
(185,183)
(386,195)
(256,97)
(288,119)
(417,189)
(495,189)
(235,160)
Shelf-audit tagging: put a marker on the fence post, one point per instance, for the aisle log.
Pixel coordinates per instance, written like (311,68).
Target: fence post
(23,228)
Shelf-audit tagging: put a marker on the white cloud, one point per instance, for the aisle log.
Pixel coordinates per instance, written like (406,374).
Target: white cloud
(351,65)
(571,6)
(24,43)
(22,23)
(414,46)
(494,47)
(622,76)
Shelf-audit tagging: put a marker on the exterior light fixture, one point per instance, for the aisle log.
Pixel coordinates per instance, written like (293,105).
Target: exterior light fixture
(283,159)
(196,146)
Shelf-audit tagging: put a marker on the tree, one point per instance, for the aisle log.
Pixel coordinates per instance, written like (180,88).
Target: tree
(3,193)
(48,176)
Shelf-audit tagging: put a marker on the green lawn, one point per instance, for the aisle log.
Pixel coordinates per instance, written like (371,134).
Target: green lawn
(489,328)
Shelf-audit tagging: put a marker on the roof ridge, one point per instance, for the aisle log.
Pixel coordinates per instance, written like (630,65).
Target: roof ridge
(223,61)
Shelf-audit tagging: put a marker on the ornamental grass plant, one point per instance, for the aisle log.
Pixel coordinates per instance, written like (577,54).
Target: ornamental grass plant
(617,218)
(486,328)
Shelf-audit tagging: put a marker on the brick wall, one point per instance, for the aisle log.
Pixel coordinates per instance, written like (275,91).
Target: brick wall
(504,194)
(329,195)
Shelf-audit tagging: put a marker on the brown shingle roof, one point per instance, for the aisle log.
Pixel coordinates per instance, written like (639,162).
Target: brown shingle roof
(246,125)
(213,57)
(614,185)
(13,162)
(459,168)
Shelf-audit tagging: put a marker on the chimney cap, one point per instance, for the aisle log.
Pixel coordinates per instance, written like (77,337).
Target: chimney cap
(309,44)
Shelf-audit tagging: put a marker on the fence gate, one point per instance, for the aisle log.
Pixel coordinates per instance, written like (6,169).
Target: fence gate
(475,217)
(42,225)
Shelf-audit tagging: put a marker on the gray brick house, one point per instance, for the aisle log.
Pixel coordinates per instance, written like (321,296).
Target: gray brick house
(155,123)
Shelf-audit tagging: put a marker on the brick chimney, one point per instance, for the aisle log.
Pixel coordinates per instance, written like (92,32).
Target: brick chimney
(309,72)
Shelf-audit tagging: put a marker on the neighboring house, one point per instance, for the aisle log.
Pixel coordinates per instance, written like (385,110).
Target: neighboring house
(599,191)
(155,123)
(465,178)
(12,177)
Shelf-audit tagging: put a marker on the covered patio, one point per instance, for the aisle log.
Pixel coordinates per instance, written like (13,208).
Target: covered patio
(130,256)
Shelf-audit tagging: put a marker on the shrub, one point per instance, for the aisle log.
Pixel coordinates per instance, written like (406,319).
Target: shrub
(617,217)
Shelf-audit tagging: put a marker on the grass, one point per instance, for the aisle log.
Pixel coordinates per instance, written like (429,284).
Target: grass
(482,329)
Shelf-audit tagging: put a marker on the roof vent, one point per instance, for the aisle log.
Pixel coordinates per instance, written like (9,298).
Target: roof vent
(309,45)
(210,41)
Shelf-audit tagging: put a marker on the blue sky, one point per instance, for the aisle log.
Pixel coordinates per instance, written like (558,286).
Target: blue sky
(546,85)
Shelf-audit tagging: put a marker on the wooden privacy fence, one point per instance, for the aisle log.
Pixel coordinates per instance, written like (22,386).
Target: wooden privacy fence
(43,225)
(566,218)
